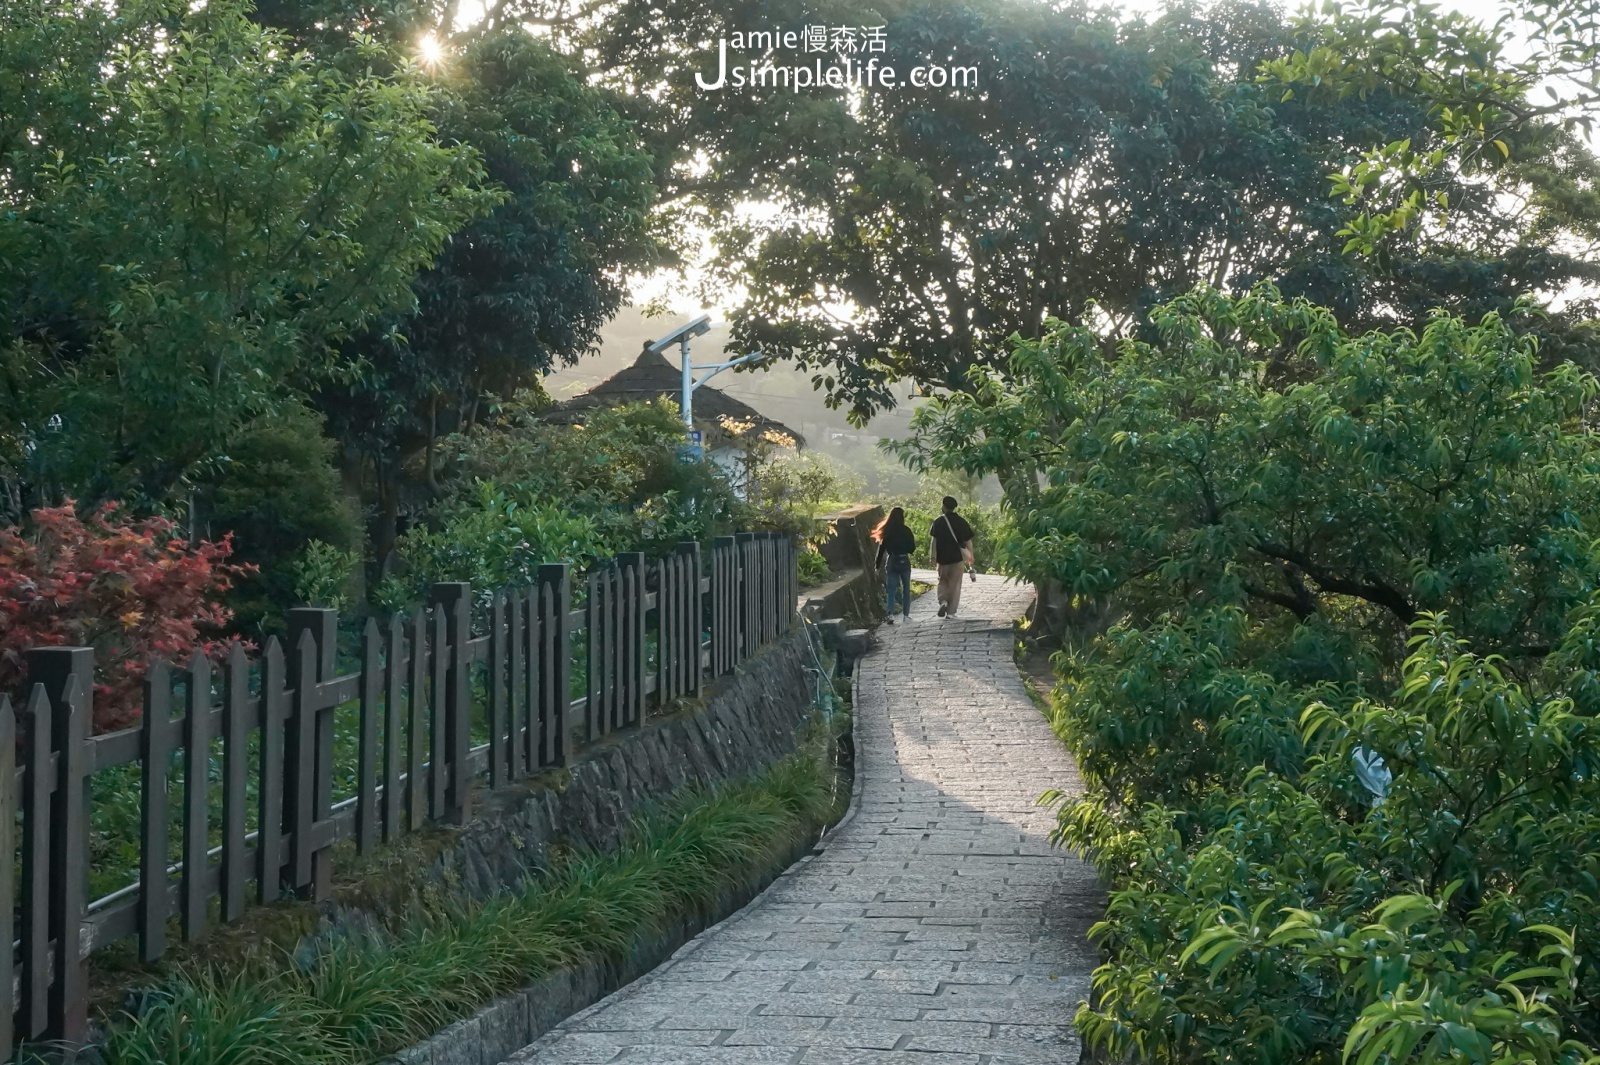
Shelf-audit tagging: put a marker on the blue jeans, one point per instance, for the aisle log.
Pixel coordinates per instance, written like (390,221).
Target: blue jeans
(897,579)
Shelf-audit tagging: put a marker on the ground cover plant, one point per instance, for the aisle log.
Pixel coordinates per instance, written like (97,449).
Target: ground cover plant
(352,998)
(1338,715)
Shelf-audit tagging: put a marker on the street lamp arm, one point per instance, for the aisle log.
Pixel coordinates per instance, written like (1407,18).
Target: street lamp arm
(717,367)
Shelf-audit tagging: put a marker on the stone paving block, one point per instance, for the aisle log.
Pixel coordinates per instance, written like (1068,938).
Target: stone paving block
(833,1056)
(928,930)
(715,1055)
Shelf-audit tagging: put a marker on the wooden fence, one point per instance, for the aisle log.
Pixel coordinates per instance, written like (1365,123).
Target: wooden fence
(463,690)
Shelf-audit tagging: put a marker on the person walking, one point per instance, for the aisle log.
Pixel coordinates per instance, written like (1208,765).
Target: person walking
(896,542)
(952,554)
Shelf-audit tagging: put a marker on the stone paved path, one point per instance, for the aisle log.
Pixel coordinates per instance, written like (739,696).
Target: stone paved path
(937,927)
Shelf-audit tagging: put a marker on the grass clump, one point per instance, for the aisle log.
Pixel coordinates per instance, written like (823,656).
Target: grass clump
(366,994)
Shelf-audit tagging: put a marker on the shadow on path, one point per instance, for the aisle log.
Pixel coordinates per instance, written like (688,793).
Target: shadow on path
(938,926)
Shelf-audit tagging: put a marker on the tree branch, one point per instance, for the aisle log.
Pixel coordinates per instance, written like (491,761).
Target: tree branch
(1374,592)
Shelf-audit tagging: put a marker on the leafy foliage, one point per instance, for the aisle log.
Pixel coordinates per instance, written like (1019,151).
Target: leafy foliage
(1103,167)
(194,213)
(1440,910)
(278,496)
(788,492)
(1497,94)
(322,575)
(1253,453)
(525,492)
(129,589)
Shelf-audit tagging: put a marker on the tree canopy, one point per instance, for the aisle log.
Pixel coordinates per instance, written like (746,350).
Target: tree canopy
(1254,453)
(517,292)
(195,214)
(1101,167)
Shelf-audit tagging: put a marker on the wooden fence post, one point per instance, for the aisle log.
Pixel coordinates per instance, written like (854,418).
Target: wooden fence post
(394,731)
(769,587)
(501,737)
(372,687)
(597,627)
(34,1007)
(791,597)
(555,660)
(454,600)
(535,666)
(196,796)
(308,788)
(274,714)
(666,660)
(235,780)
(519,606)
(67,675)
(8,842)
(724,604)
(438,720)
(694,613)
(155,747)
(417,796)
(749,587)
(632,568)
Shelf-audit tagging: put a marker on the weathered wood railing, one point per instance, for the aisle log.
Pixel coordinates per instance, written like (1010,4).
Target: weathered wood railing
(262,734)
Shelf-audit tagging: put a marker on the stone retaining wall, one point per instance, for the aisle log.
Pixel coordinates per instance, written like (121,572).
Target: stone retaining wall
(748,721)
(745,723)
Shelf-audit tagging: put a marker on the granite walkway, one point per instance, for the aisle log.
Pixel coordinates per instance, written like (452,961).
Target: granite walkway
(937,926)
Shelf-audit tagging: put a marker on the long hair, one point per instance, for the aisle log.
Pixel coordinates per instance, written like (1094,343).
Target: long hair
(895,520)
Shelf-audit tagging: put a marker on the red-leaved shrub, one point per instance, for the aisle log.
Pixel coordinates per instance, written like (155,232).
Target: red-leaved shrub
(131,589)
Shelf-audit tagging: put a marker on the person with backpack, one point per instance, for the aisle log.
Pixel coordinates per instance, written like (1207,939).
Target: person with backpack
(952,554)
(896,542)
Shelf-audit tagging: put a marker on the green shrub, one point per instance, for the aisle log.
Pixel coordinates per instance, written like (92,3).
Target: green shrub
(278,492)
(813,568)
(787,492)
(1324,843)
(492,540)
(322,575)
(524,492)
(1419,881)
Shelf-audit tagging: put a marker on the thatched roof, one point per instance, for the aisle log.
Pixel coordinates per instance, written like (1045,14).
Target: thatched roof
(652,377)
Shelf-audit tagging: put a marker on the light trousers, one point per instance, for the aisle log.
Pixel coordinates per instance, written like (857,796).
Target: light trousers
(950,586)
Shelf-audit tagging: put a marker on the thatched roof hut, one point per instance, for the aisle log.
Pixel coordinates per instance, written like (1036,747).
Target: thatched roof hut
(724,419)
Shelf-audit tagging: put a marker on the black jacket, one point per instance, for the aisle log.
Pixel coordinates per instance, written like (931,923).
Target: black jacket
(896,541)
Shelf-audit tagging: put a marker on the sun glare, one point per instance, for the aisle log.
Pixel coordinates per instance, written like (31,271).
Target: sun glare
(430,51)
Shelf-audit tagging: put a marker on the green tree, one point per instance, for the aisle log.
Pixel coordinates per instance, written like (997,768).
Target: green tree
(1337,824)
(194,214)
(516,292)
(1496,94)
(1255,454)
(1099,168)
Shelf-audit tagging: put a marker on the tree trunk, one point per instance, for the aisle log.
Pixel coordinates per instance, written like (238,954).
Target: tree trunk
(352,480)
(385,528)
